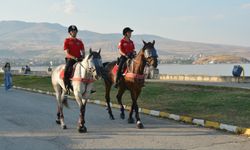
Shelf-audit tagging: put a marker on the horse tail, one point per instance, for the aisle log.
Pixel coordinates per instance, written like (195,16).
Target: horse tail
(65,102)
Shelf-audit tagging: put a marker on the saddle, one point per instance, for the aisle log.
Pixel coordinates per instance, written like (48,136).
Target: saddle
(115,69)
(124,67)
(125,71)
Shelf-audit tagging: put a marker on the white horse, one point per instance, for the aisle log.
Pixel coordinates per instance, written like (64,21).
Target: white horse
(86,72)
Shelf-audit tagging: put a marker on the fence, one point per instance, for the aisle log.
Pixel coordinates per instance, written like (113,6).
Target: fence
(203,78)
(154,74)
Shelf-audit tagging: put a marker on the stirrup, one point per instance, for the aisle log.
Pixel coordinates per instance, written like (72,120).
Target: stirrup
(92,91)
(68,91)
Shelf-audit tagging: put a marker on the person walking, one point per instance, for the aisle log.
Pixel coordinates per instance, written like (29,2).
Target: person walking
(7,76)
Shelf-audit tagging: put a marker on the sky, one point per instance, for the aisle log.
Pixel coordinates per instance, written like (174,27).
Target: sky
(208,21)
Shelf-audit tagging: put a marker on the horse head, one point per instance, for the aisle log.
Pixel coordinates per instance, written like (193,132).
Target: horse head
(95,65)
(150,53)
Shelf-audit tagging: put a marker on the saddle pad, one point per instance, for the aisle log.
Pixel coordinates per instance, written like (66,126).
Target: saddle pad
(115,69)
(62,74)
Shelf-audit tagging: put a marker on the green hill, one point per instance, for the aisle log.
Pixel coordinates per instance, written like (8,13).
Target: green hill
(221,59)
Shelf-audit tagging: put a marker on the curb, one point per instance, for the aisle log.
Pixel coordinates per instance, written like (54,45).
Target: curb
(185,119)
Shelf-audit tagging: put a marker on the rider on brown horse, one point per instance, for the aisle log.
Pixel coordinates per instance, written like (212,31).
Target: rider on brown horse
(126,50)
(74,49)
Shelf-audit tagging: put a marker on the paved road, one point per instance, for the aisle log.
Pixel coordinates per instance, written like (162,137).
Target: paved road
(27,122)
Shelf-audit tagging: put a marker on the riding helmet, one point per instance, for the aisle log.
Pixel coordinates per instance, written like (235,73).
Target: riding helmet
(127,29)
(72,28)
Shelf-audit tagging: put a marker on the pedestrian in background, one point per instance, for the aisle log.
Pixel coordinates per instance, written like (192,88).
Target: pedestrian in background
(7,76)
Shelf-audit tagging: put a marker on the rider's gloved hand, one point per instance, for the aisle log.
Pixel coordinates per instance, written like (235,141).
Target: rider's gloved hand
(77,59)
(130,55)
(127,56)
(74,58)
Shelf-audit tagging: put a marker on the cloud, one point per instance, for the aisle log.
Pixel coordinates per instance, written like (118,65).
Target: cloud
(66,6)
(69,7)
(246,6)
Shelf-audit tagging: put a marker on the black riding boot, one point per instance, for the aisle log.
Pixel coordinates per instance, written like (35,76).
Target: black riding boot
(67,74)
(117,80)
(67,85)
(123,59)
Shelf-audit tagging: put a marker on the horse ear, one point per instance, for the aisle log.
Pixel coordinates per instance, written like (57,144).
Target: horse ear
(89,56)
(153,42)
(144,42)
(90,50)
(99,51)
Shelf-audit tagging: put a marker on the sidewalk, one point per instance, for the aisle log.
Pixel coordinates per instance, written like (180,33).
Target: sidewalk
(220,84)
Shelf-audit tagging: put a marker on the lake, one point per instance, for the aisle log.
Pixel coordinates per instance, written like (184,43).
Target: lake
(211,69)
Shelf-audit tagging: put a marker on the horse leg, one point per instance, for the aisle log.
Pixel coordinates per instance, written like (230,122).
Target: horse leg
(107,96)
(82,104)
(58,93)
(130,118)
(119,99)
(63,125)
(81,127)
(60,116)
(134,96)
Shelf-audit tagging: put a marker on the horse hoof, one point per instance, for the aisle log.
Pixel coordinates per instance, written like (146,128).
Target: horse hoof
(131,120)
(122,116)
(139,125)
(64,127)
(82,129)
(58,121)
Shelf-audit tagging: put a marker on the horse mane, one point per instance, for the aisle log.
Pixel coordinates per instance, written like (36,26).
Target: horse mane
(86,58)
(105,64)
(140,51)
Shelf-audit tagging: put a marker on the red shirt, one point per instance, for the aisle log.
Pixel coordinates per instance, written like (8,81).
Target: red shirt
(126,46)
(74,46)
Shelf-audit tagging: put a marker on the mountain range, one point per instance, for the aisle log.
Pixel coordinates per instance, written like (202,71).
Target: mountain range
(44,40)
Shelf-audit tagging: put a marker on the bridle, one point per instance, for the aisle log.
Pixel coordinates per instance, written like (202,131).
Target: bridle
(91,69)
(150,53)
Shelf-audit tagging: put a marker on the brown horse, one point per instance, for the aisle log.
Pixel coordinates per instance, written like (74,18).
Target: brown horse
(132,81)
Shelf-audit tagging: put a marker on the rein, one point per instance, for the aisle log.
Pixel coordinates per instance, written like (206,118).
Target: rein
(147,53)
(84,80)
(87,70)
(132,74)
(135,76)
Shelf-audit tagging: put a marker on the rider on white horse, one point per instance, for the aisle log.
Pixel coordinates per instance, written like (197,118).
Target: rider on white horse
(75,52)
(86,72)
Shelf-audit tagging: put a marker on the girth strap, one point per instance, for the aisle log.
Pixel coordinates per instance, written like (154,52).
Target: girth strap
(136,76)
(84,80)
